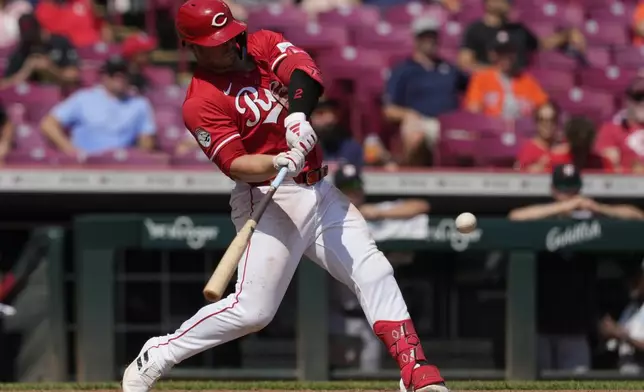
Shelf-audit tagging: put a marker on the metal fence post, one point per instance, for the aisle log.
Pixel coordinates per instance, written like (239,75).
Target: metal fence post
(312,323)
(521,317)
(96,240)
(58,325)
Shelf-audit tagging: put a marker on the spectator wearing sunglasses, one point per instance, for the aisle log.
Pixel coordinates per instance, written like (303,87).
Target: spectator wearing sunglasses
(535,154)
(621,141)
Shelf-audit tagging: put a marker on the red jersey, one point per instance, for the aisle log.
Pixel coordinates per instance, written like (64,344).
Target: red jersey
(531,153)
(238,113)
(627,138)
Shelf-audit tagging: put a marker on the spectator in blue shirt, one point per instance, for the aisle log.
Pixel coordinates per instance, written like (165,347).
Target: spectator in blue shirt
(420,89)
(337,141)
(102,118)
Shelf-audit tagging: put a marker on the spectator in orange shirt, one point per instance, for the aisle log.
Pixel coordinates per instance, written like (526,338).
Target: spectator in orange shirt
(534,155)
(504,89)
(621,140)
(136,49)
(638,25)
(74,19)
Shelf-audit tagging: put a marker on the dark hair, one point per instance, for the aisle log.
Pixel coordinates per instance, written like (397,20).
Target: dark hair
(580,133)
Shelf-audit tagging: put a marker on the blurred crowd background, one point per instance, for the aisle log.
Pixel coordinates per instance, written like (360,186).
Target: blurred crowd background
(523,85)
(543,86)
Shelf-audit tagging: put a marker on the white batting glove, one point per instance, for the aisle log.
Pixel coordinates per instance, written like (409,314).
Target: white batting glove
(293,160)
(300,133)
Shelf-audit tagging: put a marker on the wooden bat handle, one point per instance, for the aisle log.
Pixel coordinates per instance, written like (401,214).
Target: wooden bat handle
(216,286)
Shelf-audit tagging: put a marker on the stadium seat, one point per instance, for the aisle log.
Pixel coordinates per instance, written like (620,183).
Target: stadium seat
(470,13)
(17,112)
(598,57)
(541,28)
(451,34)
(629,57)
(604,34)
(612,79)
(557,13)
(275,17)
(404,14)
(29,136)
(350,17)
(39,156)
(171,129)
(314,37)
(96,55)
(160,76)
(37,99)
(166,96)
(460,132)
(193,158)
(597,106)
(383,35)
(128,157)
(612,12)
(351,63)
(552,80)
(555,60)
(494,150)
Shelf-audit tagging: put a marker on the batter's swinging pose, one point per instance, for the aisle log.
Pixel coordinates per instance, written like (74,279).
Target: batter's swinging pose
(247,106)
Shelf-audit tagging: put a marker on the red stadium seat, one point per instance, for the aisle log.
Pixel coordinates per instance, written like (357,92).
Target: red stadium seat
(604,34)
(612,79)
(350,17)
(276,17)
(315,37)
(597,106)
(160,76)
(96,55)
(555,60)
(404,14)
(193,158)
(128,157)
(39,156)
(612,12)
(598,57)
(383,35)
(494,150)
(629,57)
(451,34)
(552,80)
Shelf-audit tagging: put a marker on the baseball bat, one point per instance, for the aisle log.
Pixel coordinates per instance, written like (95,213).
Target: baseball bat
(216,286)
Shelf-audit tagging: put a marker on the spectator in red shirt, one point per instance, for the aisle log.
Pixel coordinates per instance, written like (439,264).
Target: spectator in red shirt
(534,155)
(578,150)
(621,141)
(74,19)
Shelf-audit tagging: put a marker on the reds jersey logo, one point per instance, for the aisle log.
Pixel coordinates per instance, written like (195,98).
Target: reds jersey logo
(255,104)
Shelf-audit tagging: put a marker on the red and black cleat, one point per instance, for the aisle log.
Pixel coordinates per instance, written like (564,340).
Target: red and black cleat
(404,346)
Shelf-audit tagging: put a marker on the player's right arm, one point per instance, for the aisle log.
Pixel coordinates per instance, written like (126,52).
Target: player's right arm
(219,138)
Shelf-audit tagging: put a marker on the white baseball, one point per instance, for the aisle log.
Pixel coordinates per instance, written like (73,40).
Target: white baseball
(466,222)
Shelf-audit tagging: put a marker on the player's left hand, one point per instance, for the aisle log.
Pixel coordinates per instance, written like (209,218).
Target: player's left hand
(300,133)
(293,160)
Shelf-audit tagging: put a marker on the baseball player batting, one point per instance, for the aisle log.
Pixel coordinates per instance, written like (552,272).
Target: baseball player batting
(248,106)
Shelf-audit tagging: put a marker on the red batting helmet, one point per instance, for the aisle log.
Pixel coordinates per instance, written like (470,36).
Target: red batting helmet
(207,23)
